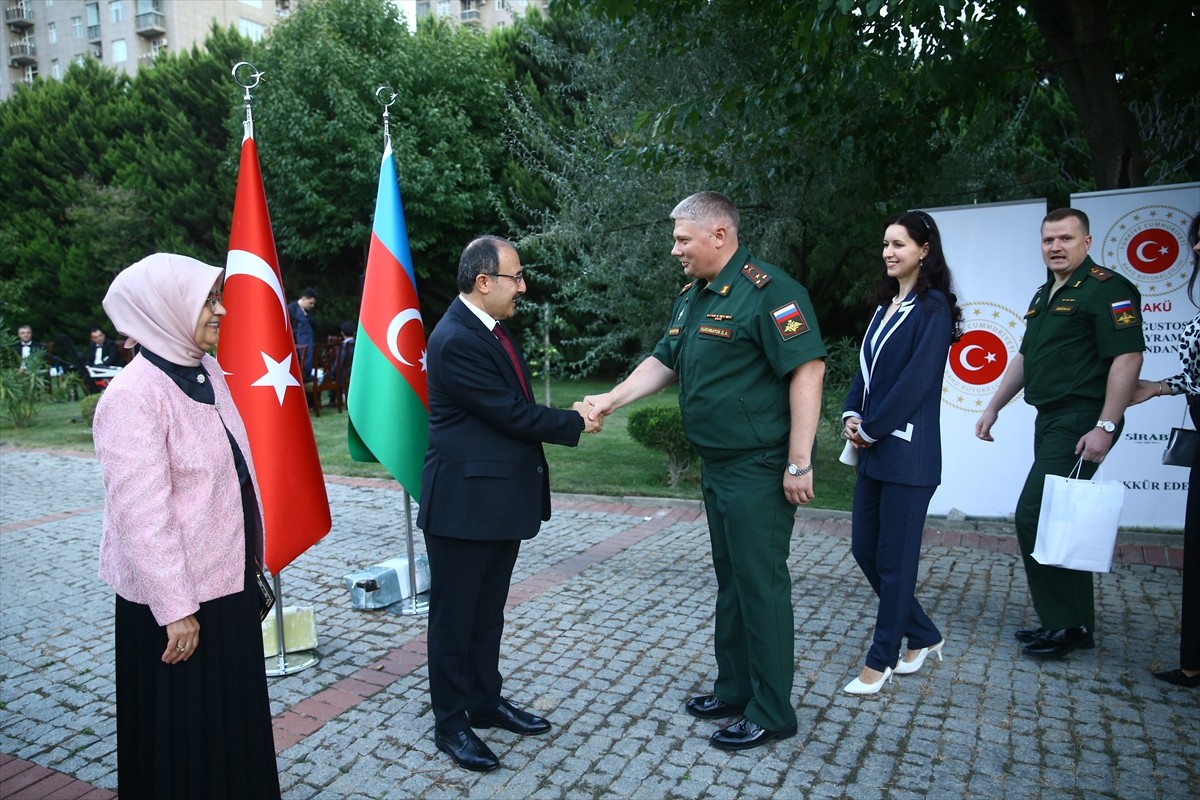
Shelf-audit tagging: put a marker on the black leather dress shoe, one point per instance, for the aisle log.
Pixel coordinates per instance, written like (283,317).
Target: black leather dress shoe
(467,750)
(1029,635)
(744,734)
(1179,678)
(511,718)
(1056,644)
(707,706)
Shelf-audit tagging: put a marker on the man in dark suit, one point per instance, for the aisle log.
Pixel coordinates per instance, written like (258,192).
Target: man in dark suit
(300,313)
(485,487)
(103,352)
(26,346)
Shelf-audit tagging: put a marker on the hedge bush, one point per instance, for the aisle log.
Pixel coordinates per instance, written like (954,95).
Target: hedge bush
(661,428)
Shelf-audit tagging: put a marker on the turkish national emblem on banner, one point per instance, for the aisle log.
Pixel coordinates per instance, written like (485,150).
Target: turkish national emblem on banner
(388,398)
(258,357)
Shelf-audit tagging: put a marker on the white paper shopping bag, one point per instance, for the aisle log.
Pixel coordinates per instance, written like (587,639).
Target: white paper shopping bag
(1078,525)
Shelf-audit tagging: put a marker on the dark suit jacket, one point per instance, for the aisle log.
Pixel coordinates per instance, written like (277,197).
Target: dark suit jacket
(34,347)
(110,357)
(898,392)
(485,473)
(302,333)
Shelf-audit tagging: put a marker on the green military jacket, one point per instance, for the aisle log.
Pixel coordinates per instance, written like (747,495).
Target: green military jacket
(734,343)
(1072,335)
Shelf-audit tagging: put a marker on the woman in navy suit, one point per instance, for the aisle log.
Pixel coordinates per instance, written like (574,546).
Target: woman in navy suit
(892,424)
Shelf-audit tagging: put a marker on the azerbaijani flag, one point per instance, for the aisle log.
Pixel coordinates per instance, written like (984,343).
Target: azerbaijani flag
(258,357)
(388,398)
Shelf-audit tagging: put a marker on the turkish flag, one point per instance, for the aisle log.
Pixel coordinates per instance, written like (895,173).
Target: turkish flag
(258,356)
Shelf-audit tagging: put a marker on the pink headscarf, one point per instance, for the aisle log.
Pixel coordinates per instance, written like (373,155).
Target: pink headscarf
(158,301)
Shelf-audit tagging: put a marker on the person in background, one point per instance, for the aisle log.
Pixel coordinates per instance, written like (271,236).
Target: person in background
(26,346)
(301,314)
(182,538)
(892,418)
(103,351)
(1186,381)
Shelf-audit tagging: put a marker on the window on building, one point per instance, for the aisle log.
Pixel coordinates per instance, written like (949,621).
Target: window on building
(255,3)
(116,10)
(254,31)
(119,52)
(78,59)
(55,70)
(422,8)
(147,6)
(443,8)
(77,27)
(93,13)
(52,32)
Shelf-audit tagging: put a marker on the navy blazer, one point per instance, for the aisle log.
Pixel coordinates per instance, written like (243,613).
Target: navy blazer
(485,474)
(898,391)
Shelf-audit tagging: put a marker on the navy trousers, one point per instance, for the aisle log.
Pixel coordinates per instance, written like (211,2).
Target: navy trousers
(885,538)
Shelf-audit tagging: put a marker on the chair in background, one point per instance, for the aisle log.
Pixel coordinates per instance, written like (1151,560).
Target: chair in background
(327,378)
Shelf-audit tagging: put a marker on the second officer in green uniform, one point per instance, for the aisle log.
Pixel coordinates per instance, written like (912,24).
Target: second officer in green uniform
(744,345)
(1079,363)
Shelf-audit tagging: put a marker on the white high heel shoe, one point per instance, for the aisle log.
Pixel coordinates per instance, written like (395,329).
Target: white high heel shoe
(857,686)
(909,667)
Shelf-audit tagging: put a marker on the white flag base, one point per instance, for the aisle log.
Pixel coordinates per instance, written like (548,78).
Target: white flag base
(286,663)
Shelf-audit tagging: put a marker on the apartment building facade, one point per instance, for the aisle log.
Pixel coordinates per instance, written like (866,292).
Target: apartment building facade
(42,38)
(485,13)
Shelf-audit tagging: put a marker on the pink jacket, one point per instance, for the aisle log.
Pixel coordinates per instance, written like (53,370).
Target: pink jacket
(173,527)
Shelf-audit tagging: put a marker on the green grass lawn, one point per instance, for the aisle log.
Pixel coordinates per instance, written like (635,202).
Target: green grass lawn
(608,463)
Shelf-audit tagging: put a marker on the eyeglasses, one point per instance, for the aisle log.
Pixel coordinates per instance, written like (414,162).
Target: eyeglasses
(214,300)
(517,277)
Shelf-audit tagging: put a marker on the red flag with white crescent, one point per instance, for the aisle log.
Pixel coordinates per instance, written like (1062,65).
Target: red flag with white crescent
(258,356)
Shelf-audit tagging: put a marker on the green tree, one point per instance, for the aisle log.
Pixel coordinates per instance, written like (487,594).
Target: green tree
(100,170)
(819,119)
(56,137)
(320,137)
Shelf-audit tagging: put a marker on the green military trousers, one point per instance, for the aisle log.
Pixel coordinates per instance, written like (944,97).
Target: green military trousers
(1063,598)
(750,524)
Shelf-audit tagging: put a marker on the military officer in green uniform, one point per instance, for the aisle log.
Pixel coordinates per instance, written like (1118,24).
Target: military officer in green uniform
(1078,364)
(744,345)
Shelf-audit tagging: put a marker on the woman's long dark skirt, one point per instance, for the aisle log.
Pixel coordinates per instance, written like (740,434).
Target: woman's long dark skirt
(200,728)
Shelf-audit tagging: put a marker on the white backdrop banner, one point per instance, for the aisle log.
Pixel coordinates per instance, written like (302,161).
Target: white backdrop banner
(1142,233)
(995,255)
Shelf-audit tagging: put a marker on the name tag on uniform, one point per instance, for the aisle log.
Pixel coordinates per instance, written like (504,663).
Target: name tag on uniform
(715,331)
(673,331)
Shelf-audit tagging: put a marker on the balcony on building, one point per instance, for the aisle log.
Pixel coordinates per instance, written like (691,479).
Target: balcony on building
(18,16)
(151,24)
(94,33)
(471,15)
(21,54)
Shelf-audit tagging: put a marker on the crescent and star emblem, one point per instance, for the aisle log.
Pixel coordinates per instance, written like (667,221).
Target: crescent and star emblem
(962,358)
(277,375)
(393,334)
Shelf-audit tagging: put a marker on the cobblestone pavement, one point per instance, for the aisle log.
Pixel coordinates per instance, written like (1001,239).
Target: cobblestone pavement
(609,631)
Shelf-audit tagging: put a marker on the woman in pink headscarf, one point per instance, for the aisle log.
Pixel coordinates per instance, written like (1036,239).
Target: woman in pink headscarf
(182,538)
